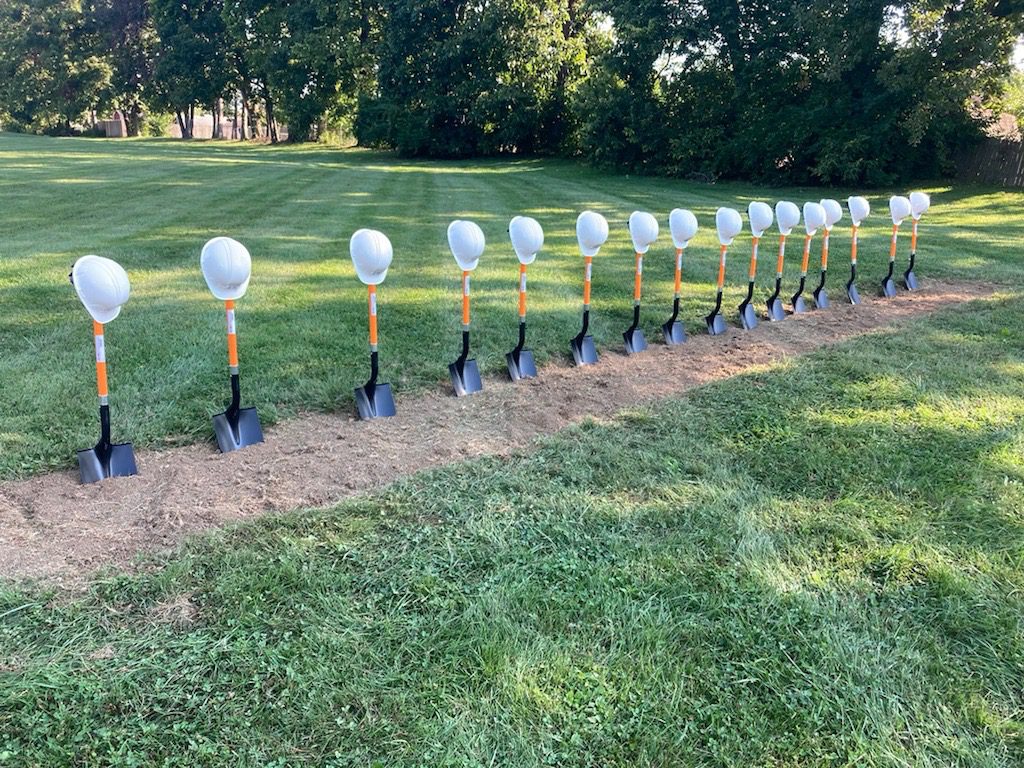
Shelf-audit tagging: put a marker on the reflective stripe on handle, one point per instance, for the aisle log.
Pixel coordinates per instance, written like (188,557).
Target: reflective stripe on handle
(721,268)
(372,300)
(913,238)
(824,252)
(522,290)
(589,262)
(807,255)
(782,256)
(753,258)
(892,245)
(679,270)
(465,297)
(638,277)
(101,361)
(229,311)
(853,247)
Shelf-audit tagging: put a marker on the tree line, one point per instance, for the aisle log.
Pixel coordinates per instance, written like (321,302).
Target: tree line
(849,91)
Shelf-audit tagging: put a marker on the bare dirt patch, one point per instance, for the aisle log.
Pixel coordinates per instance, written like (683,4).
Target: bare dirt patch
(55,530)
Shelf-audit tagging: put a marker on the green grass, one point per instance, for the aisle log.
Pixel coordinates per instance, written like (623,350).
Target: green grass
(152,204)
(818,564)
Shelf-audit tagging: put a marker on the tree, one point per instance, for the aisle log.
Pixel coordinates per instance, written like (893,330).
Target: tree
(126,33)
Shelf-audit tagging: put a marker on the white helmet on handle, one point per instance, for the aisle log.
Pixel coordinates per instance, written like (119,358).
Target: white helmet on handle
(787,216)
(833,212)
(591,232)
(859,209)
(729,224)
(760,216)
(466,241)
(919,204)
(683,225)
(814,217)
(643,229)
(371,254)
(527,238)
(102,286)
(226,265)
(899,209)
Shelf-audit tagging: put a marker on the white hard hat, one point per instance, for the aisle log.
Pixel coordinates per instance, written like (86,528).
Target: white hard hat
(787,216)
(102,286)
(899,208)
(729,224)
(643,229)
(226,265)
(527,238)
(859,209)
(371,254)
(814,217)
(760,216)
(833,212)
(591,232)
(683,225)
(466,241)
(919,203)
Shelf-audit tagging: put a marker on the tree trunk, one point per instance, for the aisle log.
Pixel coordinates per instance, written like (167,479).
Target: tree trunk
(183,125)
(271,126)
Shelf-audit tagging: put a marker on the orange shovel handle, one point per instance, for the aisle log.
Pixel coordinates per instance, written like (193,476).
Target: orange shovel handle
(913,238)
(372,302)
(522,291)
(721,267)
(465,297)
(824,252)
(101,360)
(679,270)
(229,312)
(807,254)
(638,277)
(853,248)
(588,262)
(892,243)
(753,259)
(782,256)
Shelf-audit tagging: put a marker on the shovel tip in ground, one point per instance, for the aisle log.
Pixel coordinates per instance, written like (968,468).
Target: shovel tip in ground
(635,341)
(748,317)
(120,463)
(910,281)
(584,352)
(674,333)
(467,380)
(821,300)
(716,324)
(245,432)
(888,288)
(521,365)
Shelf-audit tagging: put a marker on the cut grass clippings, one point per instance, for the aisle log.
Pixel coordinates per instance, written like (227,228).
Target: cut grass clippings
(819,564)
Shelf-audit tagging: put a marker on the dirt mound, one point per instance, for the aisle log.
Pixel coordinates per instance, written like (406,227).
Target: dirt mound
(53,529)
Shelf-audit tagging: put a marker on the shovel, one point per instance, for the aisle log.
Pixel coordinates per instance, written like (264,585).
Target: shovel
(236,427)
(464,372)
(520,361)
(583,350)
(819,293)
(851,285)
(775,309)
(672,328)
(715,321)
(909,278)
(374,400)
(748,317)
(799,305)
(104,459)
(888,285)
(633,336)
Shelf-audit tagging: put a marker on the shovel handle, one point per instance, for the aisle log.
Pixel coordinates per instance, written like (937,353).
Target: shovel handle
(782,256)
(522,292)
(807,255)
(679,272)
(465,298)
(372,302)
(753,258)
(101,362)
(588,268)
(824,251)
(853,247)
(892,243)
(721,267)
(913,238)
(229,313)
(638,277)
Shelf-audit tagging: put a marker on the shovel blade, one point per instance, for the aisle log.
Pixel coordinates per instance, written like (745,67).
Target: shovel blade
(888,288)
(583,350)
(249,431)
(853,294)
(674,333)
(910,281)
(716,323)
(775,310)
(467,381)
(521,365)
(748,317)
(378,404)
(799,305)
(92,469)
(821,299)
(635,341)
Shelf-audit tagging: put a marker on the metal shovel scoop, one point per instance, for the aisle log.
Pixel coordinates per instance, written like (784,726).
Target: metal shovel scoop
(582,345)
(633,336)
(374,400)
(105,459)
(714,320)
(748,317)
(820,295)
(464,372)
(673,329)
(851,286)
(520,360)
(236,427)
(909,278)
(888,284)
(774,303)
(799,305)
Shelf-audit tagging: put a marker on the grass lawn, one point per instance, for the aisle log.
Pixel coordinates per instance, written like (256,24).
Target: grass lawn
(818,564)
(152,204)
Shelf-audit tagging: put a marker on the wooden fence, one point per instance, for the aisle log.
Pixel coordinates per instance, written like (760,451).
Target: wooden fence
(994,161)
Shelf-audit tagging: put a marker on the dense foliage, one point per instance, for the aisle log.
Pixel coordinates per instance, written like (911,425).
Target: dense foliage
(847,91)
